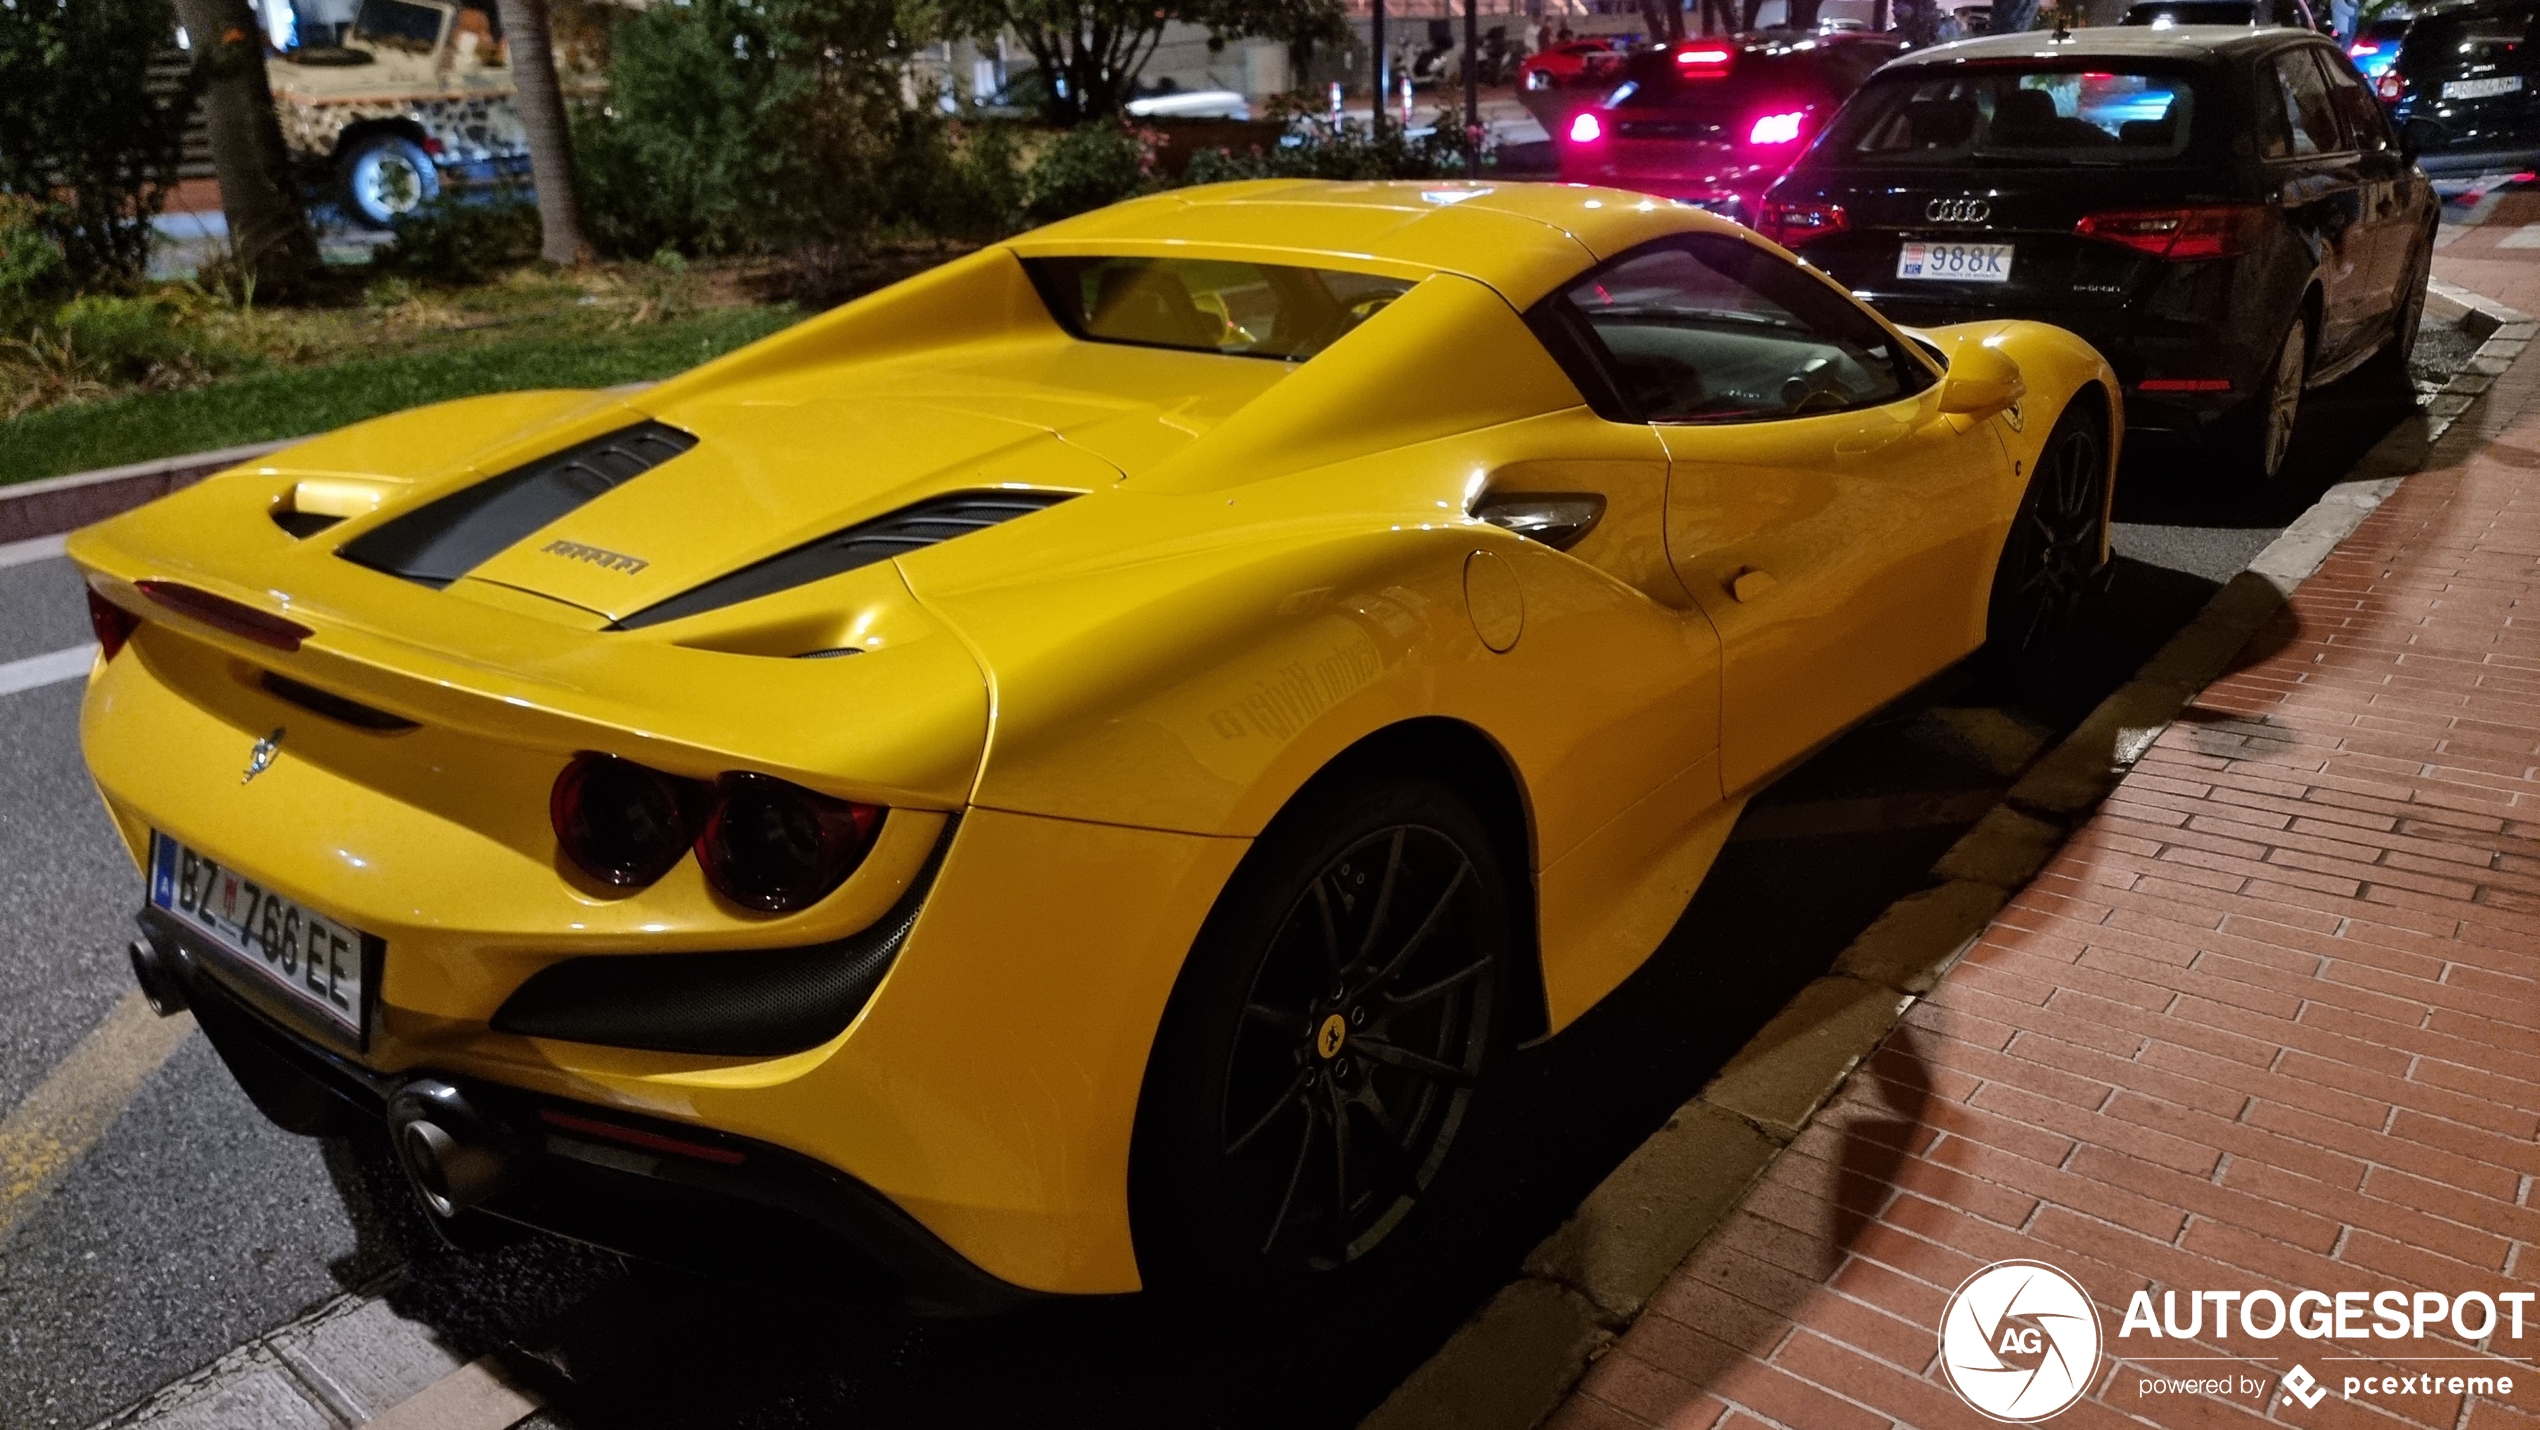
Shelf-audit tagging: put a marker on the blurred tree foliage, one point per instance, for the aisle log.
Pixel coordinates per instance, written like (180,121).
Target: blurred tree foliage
(83,137)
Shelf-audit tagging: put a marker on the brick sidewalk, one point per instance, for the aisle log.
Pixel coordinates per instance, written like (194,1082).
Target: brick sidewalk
(2271,1020)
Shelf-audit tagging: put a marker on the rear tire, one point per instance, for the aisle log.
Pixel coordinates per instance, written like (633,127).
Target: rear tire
(2390,365)
(385,178)
(2052,554)
(2264,429)
(1320,1053)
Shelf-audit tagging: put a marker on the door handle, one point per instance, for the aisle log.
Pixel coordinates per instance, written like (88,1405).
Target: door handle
(1752,584)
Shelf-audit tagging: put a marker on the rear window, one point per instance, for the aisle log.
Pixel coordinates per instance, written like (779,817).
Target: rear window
(2016,116)
(2472,44)
(1203,305)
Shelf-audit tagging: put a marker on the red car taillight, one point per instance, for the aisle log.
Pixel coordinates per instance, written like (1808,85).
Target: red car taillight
(1586,130)
(1704,60)
(1793,224)
(2180,235)
(2389,86)
(113,624)
(622,823)
(779,847)
(1777,128)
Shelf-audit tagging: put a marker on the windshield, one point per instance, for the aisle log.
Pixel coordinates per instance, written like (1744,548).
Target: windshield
(2040,116)
(399,25)
(1204,305)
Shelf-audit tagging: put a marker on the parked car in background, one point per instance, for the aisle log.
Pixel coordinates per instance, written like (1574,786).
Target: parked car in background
(1571,63)
(2376,48)
(2465,91)
(1714,121)
(418,92)
(2224,212)
(2162,14)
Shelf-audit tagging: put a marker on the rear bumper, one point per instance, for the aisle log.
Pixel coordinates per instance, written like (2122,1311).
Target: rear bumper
(671,1192)
(2140,349)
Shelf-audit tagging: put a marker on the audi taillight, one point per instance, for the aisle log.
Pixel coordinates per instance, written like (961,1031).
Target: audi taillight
(622,823)
(1586,130)
(1792,224)
(113,624)
(1777,128)
(779,847)
(2179,235)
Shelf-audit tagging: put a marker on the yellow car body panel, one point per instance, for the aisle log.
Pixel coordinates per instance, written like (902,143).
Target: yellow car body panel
(1259,565)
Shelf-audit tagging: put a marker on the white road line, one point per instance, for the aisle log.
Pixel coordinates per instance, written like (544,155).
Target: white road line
(52,669)
(18,553)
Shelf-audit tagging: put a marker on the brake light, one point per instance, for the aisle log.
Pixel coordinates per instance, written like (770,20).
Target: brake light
(113,624)
(2359,49)
(779,847)
(1777,128)
(1792,224)
(224,614)
(1709,59)
(2180,235)
(1586,130)
(2389,86)
(622,823)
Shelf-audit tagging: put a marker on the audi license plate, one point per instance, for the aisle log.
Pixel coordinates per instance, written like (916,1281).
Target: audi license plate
(2481,88)
(1955,262)
(321,969)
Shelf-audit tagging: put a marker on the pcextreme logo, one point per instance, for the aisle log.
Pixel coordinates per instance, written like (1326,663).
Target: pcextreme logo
(2019,1341)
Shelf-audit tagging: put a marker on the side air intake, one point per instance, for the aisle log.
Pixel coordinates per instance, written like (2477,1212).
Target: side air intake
(937,519)
(440,541)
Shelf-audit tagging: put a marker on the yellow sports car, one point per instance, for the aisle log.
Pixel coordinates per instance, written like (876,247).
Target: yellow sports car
(1062,775)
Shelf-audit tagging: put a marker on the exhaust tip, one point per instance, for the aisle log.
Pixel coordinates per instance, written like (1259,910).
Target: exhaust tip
(161,988)
(457,1157)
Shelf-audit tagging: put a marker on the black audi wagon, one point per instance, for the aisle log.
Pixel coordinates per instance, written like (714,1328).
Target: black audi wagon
(2224,212)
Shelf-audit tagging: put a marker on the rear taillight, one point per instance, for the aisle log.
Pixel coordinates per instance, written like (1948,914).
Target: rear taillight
(113,624)
(2180,235)
(1777,128)
(1792,224)
(622,823)
(779,847)
(1585,129)
(2359,50)
(1704,60)
(2389,86)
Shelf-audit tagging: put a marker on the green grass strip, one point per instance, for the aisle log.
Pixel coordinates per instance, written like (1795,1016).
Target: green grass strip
(295,402)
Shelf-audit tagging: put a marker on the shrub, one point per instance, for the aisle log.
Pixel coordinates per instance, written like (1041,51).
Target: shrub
(82,135)
(1090,166)
(31,266)
(456,241)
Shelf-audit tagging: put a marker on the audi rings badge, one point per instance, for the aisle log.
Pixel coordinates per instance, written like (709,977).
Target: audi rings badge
(1957,211)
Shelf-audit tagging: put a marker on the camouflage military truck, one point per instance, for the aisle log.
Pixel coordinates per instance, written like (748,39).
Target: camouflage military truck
(417,92)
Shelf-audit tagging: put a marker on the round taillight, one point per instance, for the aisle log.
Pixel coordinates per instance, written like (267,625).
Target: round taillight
(779,847)
(621,823)
(113,624)
(1586,130)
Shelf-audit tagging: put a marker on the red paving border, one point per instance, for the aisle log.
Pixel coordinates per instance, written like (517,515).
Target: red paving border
(2271,1020)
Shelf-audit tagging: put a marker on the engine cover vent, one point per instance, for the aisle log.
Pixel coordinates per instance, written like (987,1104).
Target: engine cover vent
(442,540)
(911,528)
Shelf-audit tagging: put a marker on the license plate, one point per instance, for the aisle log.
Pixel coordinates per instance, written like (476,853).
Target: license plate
(322,969)
(1955,262)
(2481,88)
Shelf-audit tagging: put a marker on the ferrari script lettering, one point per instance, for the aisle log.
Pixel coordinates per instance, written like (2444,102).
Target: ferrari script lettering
(607,560)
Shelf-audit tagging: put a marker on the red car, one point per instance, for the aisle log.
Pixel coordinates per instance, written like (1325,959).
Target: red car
(1571,63)
(1715,121)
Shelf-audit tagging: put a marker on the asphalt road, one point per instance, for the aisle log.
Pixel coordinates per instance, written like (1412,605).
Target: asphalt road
(192,1224)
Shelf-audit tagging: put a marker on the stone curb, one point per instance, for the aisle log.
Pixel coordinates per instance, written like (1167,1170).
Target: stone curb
(59,504)
(1515,1361)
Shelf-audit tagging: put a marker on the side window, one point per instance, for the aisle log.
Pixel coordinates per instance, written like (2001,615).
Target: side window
(2366,126)
(2310,120)
(1709,329)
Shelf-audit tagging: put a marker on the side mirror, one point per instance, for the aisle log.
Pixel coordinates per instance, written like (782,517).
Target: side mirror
(1982,380)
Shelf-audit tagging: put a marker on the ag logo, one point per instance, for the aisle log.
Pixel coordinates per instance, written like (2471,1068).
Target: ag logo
(2020,1341)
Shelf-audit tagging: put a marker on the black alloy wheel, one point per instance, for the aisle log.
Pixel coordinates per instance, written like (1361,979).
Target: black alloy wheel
(2051,557)
(1322,1051)
(2391,363)
(2277,408)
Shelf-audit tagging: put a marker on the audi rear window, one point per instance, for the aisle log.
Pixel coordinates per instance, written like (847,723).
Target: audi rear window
(1260,310)
(2058,115)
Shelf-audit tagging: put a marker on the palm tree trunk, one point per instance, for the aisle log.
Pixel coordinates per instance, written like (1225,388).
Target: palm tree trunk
(541,102)
(269,236)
